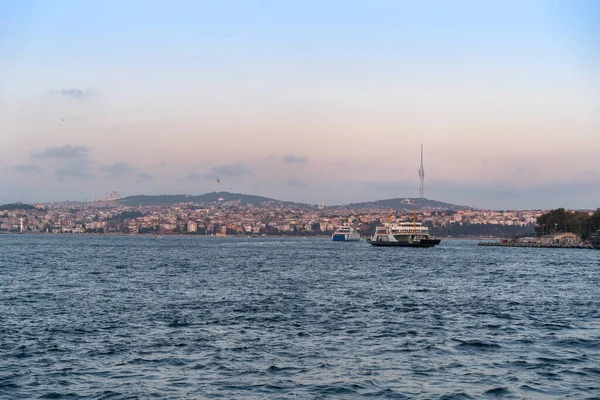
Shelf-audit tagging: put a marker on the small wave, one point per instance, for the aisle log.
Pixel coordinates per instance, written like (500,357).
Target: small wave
(337,389)
(572,372)
(240,348)
(498,392)
(387,334)
(9,385)
(55,349)
(525,341)
(276,368)
(273,369)
(106,352)
(55,395)
(595,371)
(108,394)
(585,343)
(162,361)
(532,389)
(386,394)
(22,352)
(456,396)
(279,385)
(494,326)
(405,310)
(478,344)
(551,361)
(325,366)
(555,326)
(178,323)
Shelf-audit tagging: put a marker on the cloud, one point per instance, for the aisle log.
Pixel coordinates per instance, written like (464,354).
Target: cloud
(587,178)
(145,176)
(194,175)
(570,193)
(28,168)
(78,168)
(290,159)
(117,169)
(67,152)
(524,171)
(296,182)
(73,93)
(229,170)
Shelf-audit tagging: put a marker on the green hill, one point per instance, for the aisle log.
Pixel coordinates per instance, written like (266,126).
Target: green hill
(247,199)
(16,206)
(406,204)
(208,198)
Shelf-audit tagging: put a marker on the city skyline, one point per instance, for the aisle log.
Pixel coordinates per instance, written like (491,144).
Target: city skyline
(302,101)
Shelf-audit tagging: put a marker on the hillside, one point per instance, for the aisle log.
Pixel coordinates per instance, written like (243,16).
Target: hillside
(406,204)
(246,199)
(16,206)
(208,198)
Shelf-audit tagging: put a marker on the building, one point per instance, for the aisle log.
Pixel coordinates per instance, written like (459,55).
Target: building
(561,238)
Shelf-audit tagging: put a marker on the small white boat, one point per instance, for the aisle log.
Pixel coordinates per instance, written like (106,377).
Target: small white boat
(345,234)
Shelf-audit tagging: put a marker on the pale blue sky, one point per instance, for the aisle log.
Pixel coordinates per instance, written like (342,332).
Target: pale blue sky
(162,96)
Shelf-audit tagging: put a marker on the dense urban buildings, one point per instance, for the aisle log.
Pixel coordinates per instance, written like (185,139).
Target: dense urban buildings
(234,217)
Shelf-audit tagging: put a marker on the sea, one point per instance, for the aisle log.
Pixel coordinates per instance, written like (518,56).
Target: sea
(139,317)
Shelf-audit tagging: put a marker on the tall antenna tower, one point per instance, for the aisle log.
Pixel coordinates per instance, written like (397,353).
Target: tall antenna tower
(421,175)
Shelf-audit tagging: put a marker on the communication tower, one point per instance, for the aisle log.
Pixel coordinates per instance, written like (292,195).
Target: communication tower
(421,175)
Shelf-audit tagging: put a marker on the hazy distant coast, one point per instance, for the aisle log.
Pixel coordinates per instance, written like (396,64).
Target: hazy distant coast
(235,214)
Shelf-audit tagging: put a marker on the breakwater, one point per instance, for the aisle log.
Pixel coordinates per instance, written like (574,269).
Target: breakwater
(537,245)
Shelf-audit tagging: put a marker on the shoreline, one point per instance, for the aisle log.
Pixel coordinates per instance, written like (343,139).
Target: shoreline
(115,234)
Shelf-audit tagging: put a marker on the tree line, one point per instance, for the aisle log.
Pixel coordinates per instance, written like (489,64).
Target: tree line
(561,220)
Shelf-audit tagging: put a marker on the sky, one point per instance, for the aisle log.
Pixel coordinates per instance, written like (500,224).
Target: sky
(312,101)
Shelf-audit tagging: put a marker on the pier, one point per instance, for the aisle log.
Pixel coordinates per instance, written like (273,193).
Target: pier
(536,245)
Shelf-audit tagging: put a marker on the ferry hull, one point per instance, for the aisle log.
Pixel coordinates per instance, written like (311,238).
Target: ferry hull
(422,243)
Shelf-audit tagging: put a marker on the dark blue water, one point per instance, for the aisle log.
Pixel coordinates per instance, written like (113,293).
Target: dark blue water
(135,317)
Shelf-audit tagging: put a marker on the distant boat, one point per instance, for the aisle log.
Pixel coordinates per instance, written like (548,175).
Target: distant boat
(345,234)
(159,237)
(595,240)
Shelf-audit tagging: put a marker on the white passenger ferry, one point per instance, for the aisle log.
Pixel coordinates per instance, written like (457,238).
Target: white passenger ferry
(403,234)
(345,234)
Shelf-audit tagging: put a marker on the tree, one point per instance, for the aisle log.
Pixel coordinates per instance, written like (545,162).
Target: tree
(560,220)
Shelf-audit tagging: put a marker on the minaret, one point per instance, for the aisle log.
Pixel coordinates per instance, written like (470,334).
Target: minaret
(421,175)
